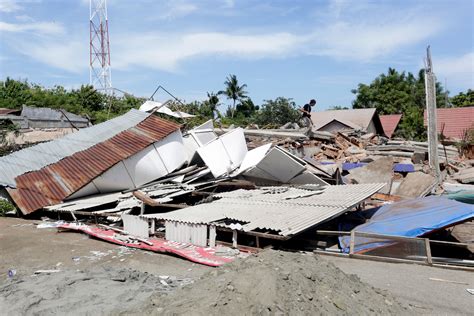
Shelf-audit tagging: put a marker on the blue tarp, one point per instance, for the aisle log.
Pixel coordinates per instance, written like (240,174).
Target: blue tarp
(410,218)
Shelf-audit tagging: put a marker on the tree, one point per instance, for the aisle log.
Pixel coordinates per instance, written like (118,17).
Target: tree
(13,93)
(233,91)
(338,107)
(83,101)
(277,112)
(463,99)
(246,108)
(399,93)
(89,98)
(213,100)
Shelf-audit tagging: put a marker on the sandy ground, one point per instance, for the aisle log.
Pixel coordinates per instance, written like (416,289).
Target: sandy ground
(26,249)
(96,277)
(411,284)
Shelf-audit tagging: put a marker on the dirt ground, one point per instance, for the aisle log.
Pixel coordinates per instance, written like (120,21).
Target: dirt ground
(95,277)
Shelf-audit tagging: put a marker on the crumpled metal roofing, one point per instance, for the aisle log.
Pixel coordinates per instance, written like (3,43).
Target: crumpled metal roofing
(282,211)
(92,201)
(55,182)
(41,155)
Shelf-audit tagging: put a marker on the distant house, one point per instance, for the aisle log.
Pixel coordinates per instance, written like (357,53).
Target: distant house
(454,122)
(390,123)
(43,118)
(41,124)
(359,119)
(5,111)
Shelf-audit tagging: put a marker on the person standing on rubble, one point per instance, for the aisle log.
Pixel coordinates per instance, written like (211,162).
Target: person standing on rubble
(306,116)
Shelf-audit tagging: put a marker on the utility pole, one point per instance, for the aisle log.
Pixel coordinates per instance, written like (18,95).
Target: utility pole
(430,90)
(100,75)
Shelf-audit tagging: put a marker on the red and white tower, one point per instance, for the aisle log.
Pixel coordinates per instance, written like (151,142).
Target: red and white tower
(100,76)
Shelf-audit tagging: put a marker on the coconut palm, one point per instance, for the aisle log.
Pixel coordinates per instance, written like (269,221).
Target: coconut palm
(233,91)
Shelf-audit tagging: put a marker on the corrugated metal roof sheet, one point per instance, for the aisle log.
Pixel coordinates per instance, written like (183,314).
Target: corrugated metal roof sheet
(282,211)
(47,114)
(390,123)
(53,183)
(454,120)
(41,155)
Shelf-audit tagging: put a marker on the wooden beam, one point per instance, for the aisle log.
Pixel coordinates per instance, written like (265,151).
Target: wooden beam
(146,199)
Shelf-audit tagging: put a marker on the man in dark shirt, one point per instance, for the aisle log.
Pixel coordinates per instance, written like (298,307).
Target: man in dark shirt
(306,116)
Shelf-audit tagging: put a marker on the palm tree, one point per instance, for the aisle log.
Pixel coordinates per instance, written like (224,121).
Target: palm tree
(213,100)
(233,91)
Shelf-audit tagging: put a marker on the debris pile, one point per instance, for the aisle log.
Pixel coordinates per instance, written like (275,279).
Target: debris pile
(160,188)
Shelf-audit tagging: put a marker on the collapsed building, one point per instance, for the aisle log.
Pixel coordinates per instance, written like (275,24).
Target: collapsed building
(35,125)
(161,188)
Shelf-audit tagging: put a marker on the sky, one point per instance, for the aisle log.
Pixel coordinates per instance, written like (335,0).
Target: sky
(298,49)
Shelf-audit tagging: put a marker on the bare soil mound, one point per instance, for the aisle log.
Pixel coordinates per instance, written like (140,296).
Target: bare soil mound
(95,292)
(275,282)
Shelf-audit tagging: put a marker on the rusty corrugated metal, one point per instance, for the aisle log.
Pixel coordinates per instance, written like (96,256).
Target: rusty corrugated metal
(53,183)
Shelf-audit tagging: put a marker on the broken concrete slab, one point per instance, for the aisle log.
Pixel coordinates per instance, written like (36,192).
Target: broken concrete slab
(465,176)
(416,184)
(378,171)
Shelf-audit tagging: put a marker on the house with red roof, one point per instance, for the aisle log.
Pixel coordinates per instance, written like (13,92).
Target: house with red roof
(454,122)
(390,123)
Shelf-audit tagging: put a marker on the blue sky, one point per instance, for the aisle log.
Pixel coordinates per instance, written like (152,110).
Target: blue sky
(298,49)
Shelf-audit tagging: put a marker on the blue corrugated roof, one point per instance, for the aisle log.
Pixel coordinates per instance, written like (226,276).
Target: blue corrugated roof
(41,155)
(411,218)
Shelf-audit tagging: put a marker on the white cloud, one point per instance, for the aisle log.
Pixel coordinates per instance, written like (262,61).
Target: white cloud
(9,6)
(366,42)
(67,55)
(177,9)
(24,18)
(458,71)
(167,51)
(229,3)
(49,28)
(338,36)
(357,42)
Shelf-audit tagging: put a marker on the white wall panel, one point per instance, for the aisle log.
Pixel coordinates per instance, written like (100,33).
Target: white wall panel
(172,152)
(145,166)
(113,180)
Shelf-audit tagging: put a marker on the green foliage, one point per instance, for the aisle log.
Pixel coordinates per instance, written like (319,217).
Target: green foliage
(399,93)
(338,107)
(85,101)
(246,108)
(5,207)
(233,91)
(463,99)
(277,112)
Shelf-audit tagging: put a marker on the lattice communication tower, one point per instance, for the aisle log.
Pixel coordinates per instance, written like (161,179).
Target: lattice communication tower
(100,74)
